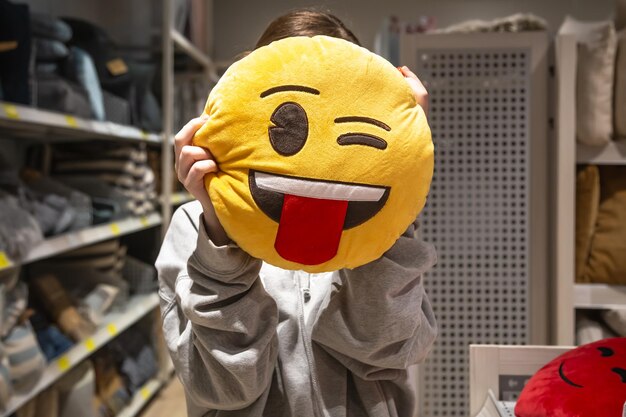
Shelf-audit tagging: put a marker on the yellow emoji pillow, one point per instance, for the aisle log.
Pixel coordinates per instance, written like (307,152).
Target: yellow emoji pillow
(324,155)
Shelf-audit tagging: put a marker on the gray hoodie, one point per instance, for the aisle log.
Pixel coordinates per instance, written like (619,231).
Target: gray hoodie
(250,339)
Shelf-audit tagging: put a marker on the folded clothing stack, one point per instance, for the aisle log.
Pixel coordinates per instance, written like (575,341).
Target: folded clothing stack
(91,277)
(35,206)
(141,277)
(79,93)
(135,358)
(123,168)
(19,231)
(127,79)
(21,360)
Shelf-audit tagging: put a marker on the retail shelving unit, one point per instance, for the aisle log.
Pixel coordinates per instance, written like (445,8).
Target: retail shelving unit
(113,324)
(172,39)
(73,240)
(570,296)
(49,126)
(28,124)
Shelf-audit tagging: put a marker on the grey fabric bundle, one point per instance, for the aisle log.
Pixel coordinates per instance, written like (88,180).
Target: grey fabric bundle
(53,212)
(19,231)
(78,201)
(61,95)
(141,277)
(124,168)
(108,202)
(136,358)
(26,361)
(116,109)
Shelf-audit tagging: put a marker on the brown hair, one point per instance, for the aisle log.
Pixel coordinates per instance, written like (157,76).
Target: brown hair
(305,22)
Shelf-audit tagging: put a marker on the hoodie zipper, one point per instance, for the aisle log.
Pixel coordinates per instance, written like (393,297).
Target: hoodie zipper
(308,349)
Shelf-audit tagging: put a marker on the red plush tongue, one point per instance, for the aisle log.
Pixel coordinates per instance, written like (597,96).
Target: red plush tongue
(310,229)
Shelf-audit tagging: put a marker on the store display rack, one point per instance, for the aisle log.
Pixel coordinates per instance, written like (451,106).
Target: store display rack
(49,126)
(114,323)
(570,296)
(38,125)
(84,237)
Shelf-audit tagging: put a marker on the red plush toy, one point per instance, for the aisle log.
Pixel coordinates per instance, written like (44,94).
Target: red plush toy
(589,381)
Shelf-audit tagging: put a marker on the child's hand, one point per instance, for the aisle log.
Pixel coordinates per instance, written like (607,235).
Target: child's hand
(421,95)
(192,164)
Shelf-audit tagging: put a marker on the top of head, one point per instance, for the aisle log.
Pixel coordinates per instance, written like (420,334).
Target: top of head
(331,130)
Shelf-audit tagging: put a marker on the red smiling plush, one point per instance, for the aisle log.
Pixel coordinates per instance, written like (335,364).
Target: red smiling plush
(589,381)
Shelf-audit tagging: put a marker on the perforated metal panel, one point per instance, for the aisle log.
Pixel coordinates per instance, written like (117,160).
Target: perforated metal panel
(477,213)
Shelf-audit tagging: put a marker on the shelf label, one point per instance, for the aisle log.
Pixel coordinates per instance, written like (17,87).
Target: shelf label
(144,135)
(11,111)
(115,229)
(64,363)
(144,221)
(90,345)
(5,262)
(112,329)
(71,121)
(145,393)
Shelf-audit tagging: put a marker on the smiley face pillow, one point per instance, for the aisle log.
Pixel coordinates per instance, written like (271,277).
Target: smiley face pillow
(324,155)
(589,381)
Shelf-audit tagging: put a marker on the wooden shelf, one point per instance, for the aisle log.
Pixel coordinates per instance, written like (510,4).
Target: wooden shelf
(114,323)
(594,296)
(73,240)
(614,153)
(48,126)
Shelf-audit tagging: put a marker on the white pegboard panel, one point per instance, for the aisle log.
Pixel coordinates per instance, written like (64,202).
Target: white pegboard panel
(477,213)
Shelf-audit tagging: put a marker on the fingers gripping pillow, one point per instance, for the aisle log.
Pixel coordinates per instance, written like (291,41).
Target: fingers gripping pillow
(324,155)
(589,381)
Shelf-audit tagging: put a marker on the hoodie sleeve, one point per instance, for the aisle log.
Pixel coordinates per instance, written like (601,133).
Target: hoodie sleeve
(379,321)
(218,321)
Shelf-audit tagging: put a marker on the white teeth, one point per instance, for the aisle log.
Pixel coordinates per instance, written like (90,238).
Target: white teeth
(318,189)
